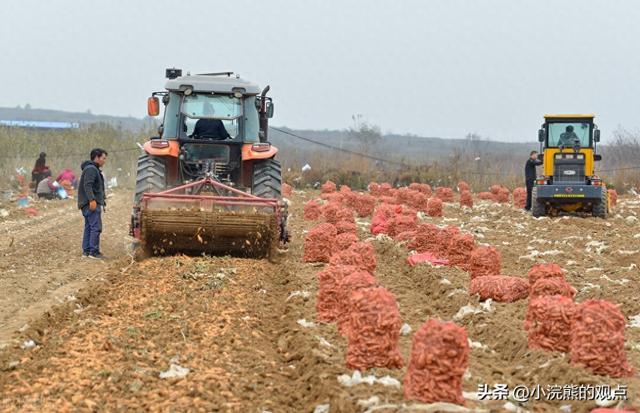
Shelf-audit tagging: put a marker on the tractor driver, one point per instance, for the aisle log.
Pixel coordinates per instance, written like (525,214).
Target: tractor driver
(210,128)
(568,138)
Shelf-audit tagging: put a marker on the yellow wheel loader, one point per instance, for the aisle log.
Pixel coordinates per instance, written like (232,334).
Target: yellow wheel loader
(568,181)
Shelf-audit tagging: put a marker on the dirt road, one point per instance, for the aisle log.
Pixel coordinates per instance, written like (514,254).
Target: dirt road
(245,329)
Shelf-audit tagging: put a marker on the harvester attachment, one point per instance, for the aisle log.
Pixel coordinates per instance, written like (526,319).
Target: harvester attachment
(208,217)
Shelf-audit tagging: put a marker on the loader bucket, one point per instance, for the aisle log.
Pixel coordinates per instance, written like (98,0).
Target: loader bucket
(185,219)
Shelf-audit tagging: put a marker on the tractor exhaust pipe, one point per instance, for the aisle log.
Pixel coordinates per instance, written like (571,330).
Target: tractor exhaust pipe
(264,119)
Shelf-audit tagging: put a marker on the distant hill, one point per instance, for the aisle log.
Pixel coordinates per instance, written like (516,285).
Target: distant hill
(84,118)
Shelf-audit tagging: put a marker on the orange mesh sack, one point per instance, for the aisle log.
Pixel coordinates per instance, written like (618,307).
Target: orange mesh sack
(418,201)
(439,358)
(613,197)
(405,236)
(328,187)
(401,223)
(373,330)
(381,216)
(445,194)
(444,239)
(486,196)
(548,322)
(460,249)
(424,188)
(359,254)
(345,188)
(463,186)
(426,238)
(287,189)
(597,339)
(312,211)
(434,207)
(544,270)
(374,189)
(327,306)
(346,286)
(386,189)
(330,212)
(502,196)
(552,286)
(364,205)
(344,241)
(499,288)
(466,200)
(519,197)
(333,197)
(318,243)
(345,227)
(484,261)
(345,214)
(403,195)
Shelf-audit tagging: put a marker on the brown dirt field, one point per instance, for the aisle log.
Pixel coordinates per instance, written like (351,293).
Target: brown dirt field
(237,324)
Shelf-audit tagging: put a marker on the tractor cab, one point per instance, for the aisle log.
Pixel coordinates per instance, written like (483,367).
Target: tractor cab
(212,124)
(568,150)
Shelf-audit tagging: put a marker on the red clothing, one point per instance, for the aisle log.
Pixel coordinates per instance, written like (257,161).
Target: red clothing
(66,175)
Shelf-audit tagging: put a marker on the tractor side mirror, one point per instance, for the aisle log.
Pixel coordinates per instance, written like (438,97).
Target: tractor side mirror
(541,157)
(269,109)
(540,135)
(597,157)
(153,106)
(596,135)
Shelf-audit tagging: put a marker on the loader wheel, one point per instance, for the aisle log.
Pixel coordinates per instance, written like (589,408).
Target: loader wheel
(267,179)
(601,209)
(538,209)
(150,176)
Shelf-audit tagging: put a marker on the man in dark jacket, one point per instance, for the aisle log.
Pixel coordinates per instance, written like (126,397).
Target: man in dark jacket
(530,176)
(210,128)
(91,201)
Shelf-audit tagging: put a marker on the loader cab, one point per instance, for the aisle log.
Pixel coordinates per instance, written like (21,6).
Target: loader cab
(568,148)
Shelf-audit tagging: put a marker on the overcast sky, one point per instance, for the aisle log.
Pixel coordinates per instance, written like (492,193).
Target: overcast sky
(431,68)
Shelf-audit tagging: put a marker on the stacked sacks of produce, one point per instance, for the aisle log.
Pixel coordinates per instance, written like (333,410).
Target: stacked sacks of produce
(466,200)
(499,288)
(403,195)
(463,186)
(484,261)
(344,241)
(445,194)
(423,188)
(460,248)
(544,270)
(286,189)
(363,205)
(319,242)
(312,211)
(359,254)
(434,207)
(500,193)
(519,198)
(613,197)
(548,322)
(486,196)
(327,301)
(552,286)
(441,248)
(404,220)
(439,358)
(346,286)
(328,187)
(381,216)
(332,197)
(417,200)
(597,339)
(425,239)
(380,190)
(373,330)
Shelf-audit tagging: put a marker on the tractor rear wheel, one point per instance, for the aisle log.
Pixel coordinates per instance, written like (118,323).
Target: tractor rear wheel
(267,179)
(150,176)
(601,209)
(538,209)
